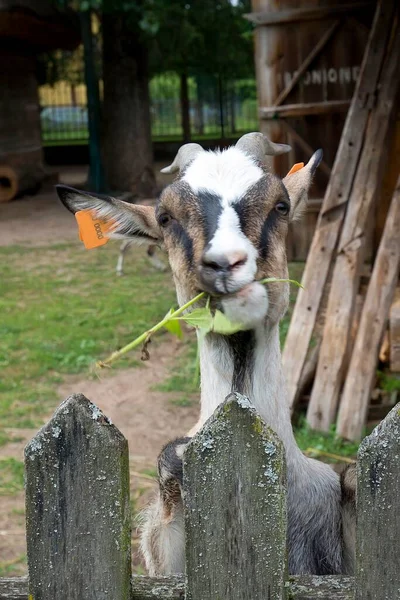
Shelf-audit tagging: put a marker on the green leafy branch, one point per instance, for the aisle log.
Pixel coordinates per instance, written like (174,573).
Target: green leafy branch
(204,319)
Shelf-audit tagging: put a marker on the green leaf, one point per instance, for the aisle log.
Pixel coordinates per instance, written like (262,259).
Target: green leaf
(199,317)
(173,325)
(222,325)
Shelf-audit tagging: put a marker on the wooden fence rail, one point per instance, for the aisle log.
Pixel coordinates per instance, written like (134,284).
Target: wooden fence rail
(78,522)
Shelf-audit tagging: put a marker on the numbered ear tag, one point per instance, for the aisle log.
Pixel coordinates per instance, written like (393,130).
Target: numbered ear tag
(92,230)
(295,168)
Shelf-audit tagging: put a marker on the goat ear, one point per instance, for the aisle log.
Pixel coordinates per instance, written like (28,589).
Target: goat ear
(130,221)
(298,184)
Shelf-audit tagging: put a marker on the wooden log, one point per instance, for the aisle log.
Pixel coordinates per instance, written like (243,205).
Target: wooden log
(350,254)
(309,13)
(235,507)
(301,587)
(361,373)
(77,506)
(335,202)
(300,110)
(15,181)
(394,334)
(378,515)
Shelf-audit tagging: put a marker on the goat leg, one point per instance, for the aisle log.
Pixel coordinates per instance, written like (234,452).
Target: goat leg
(120,264)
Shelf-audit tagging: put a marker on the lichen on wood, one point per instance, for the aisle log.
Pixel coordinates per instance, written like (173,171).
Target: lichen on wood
(77,506)
(235,507)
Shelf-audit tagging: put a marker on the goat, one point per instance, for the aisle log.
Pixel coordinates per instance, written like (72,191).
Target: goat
(224,223)
(151,253)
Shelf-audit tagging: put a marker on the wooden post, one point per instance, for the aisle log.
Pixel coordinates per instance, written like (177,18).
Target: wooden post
(77,507)
(374,316)
(235,507)
(335,202)
(378,515)
(349,257)
(394,333)
(268,48)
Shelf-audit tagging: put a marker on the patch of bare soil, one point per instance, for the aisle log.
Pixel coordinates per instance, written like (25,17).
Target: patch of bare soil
(41,219)
(147,418)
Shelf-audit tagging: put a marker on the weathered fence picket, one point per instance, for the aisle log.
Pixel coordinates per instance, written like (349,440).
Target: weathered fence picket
(77,507)
(78,519)
(235,507)
(378,512)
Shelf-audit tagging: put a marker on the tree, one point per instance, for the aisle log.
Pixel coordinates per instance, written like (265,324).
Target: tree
(141,37)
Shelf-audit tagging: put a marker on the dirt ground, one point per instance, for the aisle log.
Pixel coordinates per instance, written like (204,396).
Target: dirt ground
(146,417)
(41,219)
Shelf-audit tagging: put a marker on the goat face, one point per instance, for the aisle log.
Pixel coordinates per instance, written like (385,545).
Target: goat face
(223,223)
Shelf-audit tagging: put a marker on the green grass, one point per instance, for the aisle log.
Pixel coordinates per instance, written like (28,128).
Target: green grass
(61,309)
(11,476)
(317,444)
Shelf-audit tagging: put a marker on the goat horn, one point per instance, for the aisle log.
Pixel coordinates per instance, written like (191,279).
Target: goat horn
(185,155)
(258,145)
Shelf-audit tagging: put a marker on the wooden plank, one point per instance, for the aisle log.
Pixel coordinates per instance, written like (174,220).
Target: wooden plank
(374,317)
(334,206)
(307,62)
(300,110)
(14,588)
(157,588)
(378,515)
(267,57)
(296,137)
(235,507)
(311,13)
(301,587)
(77,506)
(394,333)
(314,587)
(350,254)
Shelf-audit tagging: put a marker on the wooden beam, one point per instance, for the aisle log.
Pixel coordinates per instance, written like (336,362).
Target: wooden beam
(307,62)
(335,202)
(301,587)
(394,334)
(301,110)
(307,149)
(267,56)
(374,317)
(282,17)
(350,254)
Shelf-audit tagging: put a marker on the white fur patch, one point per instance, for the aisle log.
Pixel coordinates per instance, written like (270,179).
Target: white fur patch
(228,173)
(229,240)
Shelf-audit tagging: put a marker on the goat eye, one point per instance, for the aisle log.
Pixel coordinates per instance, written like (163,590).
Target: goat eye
(164,219)
(283,208)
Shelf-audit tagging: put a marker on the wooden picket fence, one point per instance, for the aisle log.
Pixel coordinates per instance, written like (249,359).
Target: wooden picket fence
(79,525)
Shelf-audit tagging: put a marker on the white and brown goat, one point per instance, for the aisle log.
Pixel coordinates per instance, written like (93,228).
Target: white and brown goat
(224,223)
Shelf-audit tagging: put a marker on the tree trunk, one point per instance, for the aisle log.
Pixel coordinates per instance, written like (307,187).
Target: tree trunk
(127,147)
(185,107)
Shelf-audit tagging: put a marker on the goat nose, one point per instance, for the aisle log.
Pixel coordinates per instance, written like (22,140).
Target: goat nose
(224,262)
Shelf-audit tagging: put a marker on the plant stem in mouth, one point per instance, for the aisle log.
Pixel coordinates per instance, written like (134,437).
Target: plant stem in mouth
(144,337)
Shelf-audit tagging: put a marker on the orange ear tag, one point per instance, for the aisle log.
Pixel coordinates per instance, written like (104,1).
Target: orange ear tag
(92,230)
(295,168)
